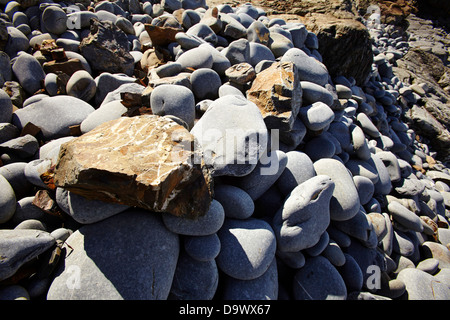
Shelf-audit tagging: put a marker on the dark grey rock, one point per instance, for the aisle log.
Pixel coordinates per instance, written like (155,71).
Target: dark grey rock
(20,246)
(236,202)
(7,200)
(205,84)
(194,280)
(176,100)
(248,248)
(202,248)
(92,270)
(264,287)
(345,201)
(205,225)
(299,168)
(231,122)
(65,111)
(29,72)
(319,280)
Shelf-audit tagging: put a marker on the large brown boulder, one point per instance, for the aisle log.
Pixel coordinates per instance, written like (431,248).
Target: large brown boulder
(344,44)
(145,161)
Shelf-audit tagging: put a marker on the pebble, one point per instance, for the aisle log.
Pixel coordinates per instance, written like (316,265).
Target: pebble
(7,200)
(265,174)
(196,58)
(81,85)
(6,107)
(309,69)
(205,84)
(422,286)
(299,168)
(194,280)
(316,116)
(87,211)
(312,92)
(350,186)
(264,287)
(319,280)
(305,215)
(405,217)
(228,119)
(149,251)
(248,248)
(205,225)
(163,101)
(237,203)
(66,111)
(29,72)
(344,203)
(19,246)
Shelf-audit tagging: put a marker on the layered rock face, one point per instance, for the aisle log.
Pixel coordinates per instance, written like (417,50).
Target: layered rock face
(145,161)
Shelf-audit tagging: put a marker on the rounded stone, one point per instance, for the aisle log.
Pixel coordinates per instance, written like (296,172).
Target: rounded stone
(316,116)
(264,287)
(312,92)
(320,147)
(205,225)
(265,174)
(202,248)
(66,111)
(299,168)
(29,72)
(259,52)
(55,20)
(106,112)
(309,69)
(81,85)
(344,203)
(148,257)
(6,107)
(194,280)
(423,286)
(319,280)
(405,217)
(305,215)
(236,202)
(196,58)
(248,248)
(176,100)
(365,188)
(7,200)
(205,84)
(87,211)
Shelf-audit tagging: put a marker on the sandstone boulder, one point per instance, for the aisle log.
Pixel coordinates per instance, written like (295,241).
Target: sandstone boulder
(146,161)
(277,93)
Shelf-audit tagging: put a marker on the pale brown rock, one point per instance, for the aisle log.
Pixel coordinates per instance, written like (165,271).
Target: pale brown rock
(241,73)
(146,161)
(277,93)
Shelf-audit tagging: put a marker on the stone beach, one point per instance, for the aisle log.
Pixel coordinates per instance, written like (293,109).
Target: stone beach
(197,150)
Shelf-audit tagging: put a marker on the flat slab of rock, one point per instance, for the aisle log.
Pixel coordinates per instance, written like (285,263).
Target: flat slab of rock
(278,95)
(145,161)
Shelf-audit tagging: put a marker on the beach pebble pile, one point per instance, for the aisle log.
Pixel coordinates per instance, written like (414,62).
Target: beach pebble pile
(348,203)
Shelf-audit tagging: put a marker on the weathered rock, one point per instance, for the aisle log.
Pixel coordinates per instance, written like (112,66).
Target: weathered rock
(278,95)
(106,49)
(120,161)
